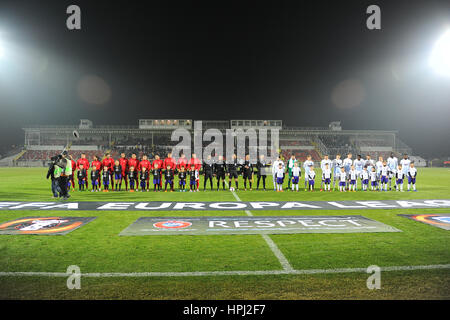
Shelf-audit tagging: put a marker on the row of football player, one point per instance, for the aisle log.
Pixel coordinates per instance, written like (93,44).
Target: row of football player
(141,179)
(349,180)
(216,165)
(121,167)
(113,173)
(346,172)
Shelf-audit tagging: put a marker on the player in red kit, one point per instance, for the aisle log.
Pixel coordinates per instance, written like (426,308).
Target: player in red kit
(182,163)
(85,162)
(74,168)
(134,162)
(148,166)
(160,164)
(169,161)
(108,162)
(157,161)
(195,162)
(123,161)
(96,163)
(98,167)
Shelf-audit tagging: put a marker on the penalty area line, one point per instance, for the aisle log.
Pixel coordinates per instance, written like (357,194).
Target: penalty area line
(222,273)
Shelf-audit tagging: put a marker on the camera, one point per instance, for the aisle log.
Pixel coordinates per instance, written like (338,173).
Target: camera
(58,160)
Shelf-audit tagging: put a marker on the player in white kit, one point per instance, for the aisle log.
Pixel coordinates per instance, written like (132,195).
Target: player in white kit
(400,176)
(378,166)
(296,173)
(365,179)
(392,163)
(275,167)
(306,167)
(373,179)
(405,162)
(347,163)
(353,177)
(337,165)
(369,163)
(342,180)
(279,174)
(311,178)
(326,177)
(384,176)
(325,161)
(412,174)
(359,165)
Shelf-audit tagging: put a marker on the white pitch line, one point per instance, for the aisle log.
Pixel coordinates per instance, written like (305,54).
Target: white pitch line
(276,251)
(284,262)
(222,273)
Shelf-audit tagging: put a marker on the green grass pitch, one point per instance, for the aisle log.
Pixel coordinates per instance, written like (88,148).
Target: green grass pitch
(96,247)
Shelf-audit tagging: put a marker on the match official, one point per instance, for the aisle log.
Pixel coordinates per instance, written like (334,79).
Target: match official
(261,173)
(208,172)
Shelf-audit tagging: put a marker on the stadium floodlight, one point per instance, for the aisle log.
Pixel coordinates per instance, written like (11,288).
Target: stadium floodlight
(440,56)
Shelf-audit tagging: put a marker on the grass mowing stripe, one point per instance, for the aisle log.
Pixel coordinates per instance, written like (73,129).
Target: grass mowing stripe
(276,251)
(222,273)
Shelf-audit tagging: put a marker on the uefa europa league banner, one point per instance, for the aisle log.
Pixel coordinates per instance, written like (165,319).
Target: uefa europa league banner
(224,206)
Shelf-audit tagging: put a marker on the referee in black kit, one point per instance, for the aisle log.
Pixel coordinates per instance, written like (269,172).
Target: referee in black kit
(261,165)
(232,171)
(219,172)
(208,172)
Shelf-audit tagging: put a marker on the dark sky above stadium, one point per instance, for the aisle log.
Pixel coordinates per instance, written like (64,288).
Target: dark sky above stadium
(304,62)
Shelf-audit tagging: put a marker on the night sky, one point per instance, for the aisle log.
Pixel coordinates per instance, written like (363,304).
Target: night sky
(304,62)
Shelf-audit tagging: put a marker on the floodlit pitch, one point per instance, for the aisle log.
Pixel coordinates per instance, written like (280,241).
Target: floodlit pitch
(199,266)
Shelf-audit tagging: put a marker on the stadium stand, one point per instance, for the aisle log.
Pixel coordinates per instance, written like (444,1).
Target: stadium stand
(301,155)
(295,143)
(153,136)
(35,155)
(418,161)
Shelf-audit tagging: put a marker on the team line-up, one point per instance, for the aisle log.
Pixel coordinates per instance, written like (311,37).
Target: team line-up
(136,174)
